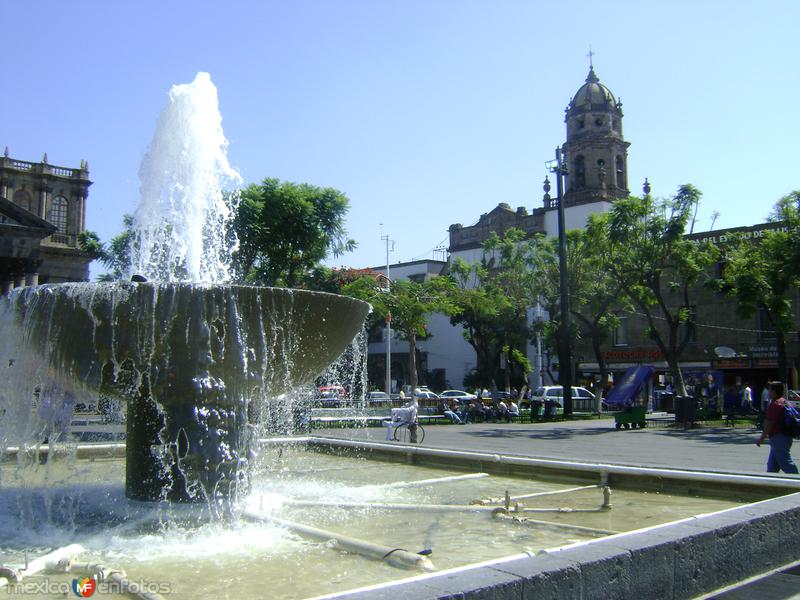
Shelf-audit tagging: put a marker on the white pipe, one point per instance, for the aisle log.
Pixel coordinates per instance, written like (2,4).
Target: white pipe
(422,482)
(387,506)
(115,576)
(394,556)
(43,562)
(526,520)
(129,587)
(534,495)
(562,509)
(46,560)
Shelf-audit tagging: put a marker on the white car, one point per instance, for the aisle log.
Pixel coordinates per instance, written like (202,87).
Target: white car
(459,395)
(555,394)
(421,391)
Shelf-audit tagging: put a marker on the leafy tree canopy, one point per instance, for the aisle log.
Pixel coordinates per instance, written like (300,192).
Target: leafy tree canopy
(760,274)
(656,265)
(286,229)
(116,256)
(407,303)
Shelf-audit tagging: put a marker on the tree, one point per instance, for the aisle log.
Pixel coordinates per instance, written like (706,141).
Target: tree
(492,299)
(760,274)
(116,257)
(408,304)
(594,294)
(656,265)
(286,229)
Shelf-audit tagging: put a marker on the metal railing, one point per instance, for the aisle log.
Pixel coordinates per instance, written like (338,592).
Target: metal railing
(63,239)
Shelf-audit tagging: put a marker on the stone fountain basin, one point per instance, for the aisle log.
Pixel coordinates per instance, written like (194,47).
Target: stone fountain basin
(199,366)
(271,338)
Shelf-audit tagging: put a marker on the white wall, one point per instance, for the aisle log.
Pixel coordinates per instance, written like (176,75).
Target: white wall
(447,349)
(575,216)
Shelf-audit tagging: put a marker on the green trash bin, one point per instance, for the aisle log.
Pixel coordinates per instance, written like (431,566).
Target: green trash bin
(631,418)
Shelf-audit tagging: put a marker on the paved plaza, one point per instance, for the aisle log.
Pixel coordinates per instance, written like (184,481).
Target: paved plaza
(720,449)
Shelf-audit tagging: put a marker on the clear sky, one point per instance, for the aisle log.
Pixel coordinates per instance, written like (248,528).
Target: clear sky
(424,112)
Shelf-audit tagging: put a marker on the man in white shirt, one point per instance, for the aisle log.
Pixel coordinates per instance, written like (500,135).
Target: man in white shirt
(747,398)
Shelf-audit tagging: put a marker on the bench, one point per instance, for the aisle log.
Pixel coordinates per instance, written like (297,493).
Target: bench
(357,421)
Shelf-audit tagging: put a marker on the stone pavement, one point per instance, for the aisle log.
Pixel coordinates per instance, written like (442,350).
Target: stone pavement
(721,449)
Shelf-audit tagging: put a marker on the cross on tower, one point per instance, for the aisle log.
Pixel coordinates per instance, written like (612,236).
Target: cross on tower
(590,55)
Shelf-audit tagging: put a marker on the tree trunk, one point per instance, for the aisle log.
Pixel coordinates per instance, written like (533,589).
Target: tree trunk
(601,365)
(783,365)
(508,372)
(677,376)
(412,362)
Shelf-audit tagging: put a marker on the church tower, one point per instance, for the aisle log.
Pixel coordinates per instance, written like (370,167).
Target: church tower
(595,152)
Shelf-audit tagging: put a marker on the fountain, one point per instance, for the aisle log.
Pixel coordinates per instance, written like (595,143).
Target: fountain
(199,363)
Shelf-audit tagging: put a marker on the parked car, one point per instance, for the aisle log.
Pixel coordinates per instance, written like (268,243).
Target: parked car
(331,396)
(459,395)
(582,399)
(378,398)
(420,392)
(329,400)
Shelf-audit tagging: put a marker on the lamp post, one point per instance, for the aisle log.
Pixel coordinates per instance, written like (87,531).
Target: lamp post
(559,168)
(388,381)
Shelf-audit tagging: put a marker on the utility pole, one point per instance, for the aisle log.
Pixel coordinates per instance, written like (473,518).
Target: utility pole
(559,168)
(388,330)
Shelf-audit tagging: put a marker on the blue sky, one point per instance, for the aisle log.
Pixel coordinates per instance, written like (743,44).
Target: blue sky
(425,113)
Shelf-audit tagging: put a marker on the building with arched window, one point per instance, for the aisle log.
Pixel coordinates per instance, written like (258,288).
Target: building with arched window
(57,196)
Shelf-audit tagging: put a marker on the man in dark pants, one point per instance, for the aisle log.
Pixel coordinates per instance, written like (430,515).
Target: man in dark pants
(780,444)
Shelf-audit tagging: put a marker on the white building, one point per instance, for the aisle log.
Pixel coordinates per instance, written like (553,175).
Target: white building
(443,359)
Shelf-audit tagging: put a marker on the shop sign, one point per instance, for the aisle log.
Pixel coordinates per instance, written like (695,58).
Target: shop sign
(731,363)
(763,351)
(633,355)
(765,363)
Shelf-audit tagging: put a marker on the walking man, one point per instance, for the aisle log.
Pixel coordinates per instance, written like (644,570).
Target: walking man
(780,444)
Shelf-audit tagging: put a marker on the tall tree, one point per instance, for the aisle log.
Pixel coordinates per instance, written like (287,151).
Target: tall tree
(595,297)
(408,304)
(761,274)
(286,229)
(656,265)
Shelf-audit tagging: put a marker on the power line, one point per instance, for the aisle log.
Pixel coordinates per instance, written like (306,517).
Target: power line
(434,249)
(721,327)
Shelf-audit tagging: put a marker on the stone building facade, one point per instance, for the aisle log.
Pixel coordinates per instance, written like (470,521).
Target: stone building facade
(734,349)
(56,195)
(596,156)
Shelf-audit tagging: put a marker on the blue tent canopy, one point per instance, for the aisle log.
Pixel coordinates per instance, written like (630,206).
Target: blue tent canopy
(629,386)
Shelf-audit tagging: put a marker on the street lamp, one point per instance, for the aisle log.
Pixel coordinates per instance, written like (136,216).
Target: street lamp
(559,168)
(388,381)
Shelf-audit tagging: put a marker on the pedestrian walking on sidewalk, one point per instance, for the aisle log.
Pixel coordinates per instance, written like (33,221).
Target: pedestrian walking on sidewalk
(780,444)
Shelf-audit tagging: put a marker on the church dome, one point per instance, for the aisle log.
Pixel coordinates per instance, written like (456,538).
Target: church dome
(593,96)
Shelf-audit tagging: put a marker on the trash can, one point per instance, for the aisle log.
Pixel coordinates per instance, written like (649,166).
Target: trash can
(549,409)
(685,409)
(667,402)
(536,409)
